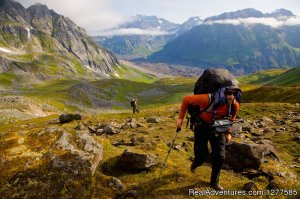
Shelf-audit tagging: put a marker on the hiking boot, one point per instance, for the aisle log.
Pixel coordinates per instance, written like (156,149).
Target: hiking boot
(217,187)
(194,166)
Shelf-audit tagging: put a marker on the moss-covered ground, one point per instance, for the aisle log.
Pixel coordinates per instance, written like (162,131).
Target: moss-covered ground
(20,140)
(22,170)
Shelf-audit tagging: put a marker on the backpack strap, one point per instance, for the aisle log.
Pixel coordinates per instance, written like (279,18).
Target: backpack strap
(230,110)
(209,106)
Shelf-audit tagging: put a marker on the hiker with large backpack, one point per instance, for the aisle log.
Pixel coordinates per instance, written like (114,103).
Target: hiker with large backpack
(213,108)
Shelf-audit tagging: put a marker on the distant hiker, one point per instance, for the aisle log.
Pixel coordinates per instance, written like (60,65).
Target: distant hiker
(212,112)
(134,105)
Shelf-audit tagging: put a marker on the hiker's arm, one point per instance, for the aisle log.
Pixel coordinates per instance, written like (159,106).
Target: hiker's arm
(236,108)
(184,105)
(228,135)
(201,100)
(187,100)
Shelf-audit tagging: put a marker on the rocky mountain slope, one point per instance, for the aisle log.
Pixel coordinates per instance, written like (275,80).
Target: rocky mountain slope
(40,43)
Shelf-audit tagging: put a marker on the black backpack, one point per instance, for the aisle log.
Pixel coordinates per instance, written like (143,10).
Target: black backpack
(212,81)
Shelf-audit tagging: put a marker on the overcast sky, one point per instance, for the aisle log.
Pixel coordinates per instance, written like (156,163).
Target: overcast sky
(94,15)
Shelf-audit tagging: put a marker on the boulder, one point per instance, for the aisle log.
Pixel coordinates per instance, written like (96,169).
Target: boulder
(131,194)
(131,123)
(153,120)
(269,144)
(268,130)
(250,186)
(80,127)
(67,117)
(236,129)
(109,130)
(241,156)
(77,154)
(260,124)
(267,120)
(296,138)
(116,184)
(116,125)
(131,161)
(280,129)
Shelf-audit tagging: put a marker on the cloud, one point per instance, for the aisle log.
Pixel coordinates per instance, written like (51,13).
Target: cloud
(129,31)
(90,14)
(273,22)
(293,21)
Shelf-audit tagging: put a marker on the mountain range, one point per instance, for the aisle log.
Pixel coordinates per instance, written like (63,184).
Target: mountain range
(242,41)
(154,34)
(37,44)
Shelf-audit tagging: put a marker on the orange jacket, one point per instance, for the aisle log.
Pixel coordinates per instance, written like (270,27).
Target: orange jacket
(203,101)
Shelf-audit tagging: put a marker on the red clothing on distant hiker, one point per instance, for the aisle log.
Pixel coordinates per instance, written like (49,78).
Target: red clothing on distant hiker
(203,101)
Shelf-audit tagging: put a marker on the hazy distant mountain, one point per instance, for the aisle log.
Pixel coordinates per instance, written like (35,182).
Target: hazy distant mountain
(188,24)
(238,47)
(39,41)
(150,23)
(142,45)
(245,13)
(250,12)
(280,13)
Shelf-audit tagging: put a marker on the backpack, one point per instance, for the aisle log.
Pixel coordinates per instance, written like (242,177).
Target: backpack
(214,81)
(215,100)
(132,103)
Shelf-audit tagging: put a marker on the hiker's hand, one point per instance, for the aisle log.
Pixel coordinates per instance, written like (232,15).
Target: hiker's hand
(228,137)
(179,123)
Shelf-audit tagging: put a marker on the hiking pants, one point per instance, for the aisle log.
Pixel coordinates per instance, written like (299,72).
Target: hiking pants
(135,109)
(217,142)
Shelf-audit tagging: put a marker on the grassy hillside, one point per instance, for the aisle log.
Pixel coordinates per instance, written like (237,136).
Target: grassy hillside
(261,77)
(125,72)
(278,85)
(110,93)
(98,96)
(274,77)
(273,94)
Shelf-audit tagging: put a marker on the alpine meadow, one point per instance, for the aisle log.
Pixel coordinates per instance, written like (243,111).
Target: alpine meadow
(68,128)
